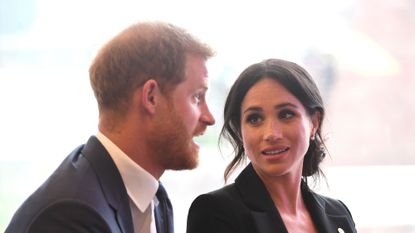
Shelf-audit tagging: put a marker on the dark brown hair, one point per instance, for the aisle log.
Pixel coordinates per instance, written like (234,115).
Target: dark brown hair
(299,83)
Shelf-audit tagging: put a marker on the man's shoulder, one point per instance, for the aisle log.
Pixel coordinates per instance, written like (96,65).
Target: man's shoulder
(73,183)
(62,215)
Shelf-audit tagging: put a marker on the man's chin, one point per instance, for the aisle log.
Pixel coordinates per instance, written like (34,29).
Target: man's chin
(182,168)
(188,163)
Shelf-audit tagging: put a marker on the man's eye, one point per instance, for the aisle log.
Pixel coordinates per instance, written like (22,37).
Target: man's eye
(197,98)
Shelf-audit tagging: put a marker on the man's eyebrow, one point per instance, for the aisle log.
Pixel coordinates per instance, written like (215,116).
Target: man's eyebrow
(203,87)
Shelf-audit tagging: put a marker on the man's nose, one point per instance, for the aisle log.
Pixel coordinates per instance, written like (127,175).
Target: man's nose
(207,117)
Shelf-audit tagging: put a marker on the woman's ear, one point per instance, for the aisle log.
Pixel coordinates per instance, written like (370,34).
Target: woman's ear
(315,121)
(150,95)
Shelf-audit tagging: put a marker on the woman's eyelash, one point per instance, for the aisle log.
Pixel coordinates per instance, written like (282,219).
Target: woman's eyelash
(286,114)
(253,118)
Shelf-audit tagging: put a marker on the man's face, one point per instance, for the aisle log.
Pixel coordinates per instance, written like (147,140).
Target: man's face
(184,116)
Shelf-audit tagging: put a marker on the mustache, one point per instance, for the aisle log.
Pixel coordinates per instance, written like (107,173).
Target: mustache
(200,130)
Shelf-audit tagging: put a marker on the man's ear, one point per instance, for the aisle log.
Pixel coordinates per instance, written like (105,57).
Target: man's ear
(150,95)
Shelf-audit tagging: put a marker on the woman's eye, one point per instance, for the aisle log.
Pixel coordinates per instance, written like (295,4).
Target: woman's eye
(254,119)
(286,114)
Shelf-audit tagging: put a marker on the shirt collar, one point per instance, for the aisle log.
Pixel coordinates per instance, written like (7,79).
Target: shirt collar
(141,186)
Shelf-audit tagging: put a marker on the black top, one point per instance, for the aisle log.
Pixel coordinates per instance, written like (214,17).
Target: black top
(246,207)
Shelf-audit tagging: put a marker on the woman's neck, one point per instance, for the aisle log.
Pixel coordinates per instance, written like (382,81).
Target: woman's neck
(285,192)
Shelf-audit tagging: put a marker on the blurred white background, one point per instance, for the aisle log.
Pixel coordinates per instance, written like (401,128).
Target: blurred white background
(360,53)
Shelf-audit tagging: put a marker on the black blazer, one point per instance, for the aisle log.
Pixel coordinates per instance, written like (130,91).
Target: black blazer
(246,207)
(85,194)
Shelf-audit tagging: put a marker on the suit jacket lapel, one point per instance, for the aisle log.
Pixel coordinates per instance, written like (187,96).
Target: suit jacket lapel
(256,197)
(316,209)
(111,182)
(327,217)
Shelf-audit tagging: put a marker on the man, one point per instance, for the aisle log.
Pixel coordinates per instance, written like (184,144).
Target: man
(150,83)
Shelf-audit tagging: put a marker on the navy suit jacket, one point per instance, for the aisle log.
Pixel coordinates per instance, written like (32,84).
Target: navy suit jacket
(85,194)
(246,207)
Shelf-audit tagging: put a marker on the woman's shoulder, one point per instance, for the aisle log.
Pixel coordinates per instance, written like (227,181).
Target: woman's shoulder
(220,211)
(222,195)
(225,200)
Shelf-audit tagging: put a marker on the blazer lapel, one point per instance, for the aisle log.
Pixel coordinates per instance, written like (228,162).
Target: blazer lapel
(327,217)
(316,209)
(253,192)
(111,182)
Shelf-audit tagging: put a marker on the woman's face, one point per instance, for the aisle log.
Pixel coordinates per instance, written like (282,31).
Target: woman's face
(276,129)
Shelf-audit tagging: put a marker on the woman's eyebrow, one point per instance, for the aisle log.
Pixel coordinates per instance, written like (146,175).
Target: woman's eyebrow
(287,104)
(278,106)
(252,109)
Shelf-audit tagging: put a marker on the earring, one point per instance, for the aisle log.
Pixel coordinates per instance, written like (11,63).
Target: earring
(313,137)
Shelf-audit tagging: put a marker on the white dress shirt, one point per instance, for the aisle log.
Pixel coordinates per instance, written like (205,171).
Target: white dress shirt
(141,187)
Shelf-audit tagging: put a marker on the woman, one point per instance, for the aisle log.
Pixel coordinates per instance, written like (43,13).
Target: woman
(273,116)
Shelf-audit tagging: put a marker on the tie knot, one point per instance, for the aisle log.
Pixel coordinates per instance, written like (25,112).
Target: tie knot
(161,192)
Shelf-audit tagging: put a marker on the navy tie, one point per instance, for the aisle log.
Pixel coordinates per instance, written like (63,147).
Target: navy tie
(163,212)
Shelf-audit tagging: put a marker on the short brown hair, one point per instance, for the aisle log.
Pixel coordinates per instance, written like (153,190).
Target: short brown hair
(143,51)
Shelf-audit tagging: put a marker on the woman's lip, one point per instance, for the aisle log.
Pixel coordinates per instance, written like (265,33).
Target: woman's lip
(274,151)
(277,156)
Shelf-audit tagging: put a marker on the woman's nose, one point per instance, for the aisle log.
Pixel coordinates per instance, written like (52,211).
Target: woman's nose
(272,132)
